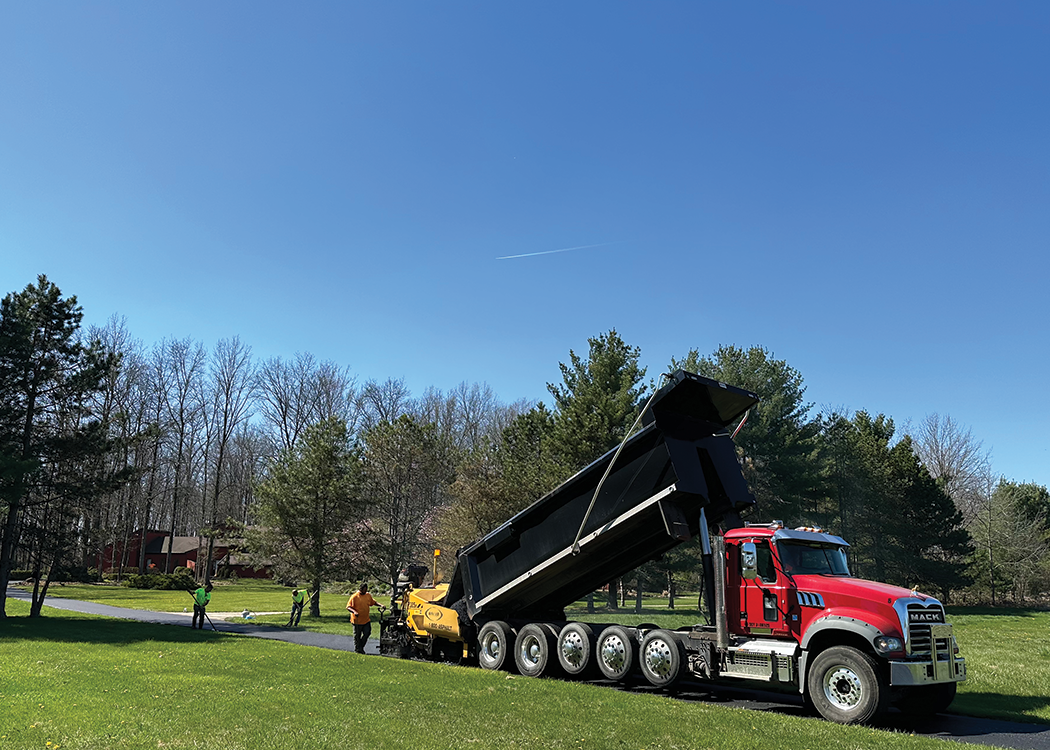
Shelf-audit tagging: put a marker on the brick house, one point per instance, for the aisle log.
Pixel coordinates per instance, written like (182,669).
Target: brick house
(184,552)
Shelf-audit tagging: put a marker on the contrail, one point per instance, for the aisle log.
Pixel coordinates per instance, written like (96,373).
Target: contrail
(562,250)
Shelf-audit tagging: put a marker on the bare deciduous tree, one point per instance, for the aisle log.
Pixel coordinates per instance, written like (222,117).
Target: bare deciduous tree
(383,402)
(230,401)
(178,368)
(955,457)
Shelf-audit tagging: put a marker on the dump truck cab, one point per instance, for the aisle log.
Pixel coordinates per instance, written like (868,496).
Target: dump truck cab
(796,584)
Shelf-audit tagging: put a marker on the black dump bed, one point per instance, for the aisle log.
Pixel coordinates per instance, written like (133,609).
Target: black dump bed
(682,461)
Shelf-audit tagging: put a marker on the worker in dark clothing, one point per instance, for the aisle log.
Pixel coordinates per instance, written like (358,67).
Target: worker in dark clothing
(359,615)
(201,597)
(299,599)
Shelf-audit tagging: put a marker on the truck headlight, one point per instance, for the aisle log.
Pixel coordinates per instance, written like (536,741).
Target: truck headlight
(888,644)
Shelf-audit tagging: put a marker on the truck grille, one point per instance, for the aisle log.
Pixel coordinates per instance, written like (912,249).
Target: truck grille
(920,640)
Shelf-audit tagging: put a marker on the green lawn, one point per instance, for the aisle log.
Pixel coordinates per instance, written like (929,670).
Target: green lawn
(74,681)
(999,645)
(1008,663)
(254,595)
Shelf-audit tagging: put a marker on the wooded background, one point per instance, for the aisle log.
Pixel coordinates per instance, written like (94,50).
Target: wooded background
(331,479)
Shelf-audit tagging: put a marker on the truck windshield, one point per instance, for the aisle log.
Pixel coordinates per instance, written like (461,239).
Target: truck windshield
(812,559)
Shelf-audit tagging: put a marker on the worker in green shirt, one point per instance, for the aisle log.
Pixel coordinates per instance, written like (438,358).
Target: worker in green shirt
(201,597)
(299,599)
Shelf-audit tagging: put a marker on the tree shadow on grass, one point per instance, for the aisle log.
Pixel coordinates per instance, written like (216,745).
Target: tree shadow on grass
(1018,708)
(995,611)
(87,629)
(1001,714)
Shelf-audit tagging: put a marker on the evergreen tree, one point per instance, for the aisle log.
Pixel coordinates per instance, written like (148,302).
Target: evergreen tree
(933,542)
(51,442)
(310,510)
(902,526)
(597,400)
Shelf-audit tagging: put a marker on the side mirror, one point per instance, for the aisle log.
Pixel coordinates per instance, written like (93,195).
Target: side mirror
(748,561)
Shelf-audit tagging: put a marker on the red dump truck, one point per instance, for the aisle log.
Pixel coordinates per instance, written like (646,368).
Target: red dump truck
(786,611)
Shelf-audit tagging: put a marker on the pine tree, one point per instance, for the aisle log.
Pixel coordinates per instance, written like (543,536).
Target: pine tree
(50,440)
(310,509)
(597,400)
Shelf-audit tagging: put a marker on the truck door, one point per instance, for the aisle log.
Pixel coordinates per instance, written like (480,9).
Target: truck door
(763,600)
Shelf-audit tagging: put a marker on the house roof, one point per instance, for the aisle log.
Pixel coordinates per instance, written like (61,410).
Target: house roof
(186,545)
(180,546)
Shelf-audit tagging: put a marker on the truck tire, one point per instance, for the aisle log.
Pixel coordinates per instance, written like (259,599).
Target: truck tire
(617,652)
(846,686)
(926,700)
(494,645)
(576,643)
(535,648)
(662,658)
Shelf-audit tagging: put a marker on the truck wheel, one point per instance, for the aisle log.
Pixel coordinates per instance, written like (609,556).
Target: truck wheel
(494,645)
(846,687)
(926,700)
(662,658)
(617,652)
(534,649)
(576,649)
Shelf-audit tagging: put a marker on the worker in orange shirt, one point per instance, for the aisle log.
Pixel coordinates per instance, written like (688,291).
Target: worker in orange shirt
(358,607)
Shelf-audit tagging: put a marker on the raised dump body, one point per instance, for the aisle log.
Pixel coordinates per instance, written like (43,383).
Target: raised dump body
(681,462)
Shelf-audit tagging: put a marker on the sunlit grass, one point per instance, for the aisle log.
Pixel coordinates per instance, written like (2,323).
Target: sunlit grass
(1008,663)
(253,595)
(1007,651)
(81,682)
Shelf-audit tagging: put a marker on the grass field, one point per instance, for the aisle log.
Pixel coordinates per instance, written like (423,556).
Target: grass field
(254,595)
(75,681)
(1007,651)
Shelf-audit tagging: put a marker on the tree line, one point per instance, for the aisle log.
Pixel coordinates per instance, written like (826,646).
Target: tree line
(324,478)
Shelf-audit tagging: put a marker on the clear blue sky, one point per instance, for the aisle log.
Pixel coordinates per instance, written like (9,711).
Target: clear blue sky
(861,188)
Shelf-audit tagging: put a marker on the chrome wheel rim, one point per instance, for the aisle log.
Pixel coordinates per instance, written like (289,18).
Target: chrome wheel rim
(572,649)
(614,653)
(658,658)
(490,648)
(530,650)
(842,687)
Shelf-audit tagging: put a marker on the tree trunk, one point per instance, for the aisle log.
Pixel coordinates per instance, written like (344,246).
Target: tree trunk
(315,602)
(638,593)
(12,529)
(7,546)
(40,593)
(614,593)
(670,590)
(208,556)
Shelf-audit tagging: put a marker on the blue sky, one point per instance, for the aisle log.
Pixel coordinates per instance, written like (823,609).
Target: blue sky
(861,188)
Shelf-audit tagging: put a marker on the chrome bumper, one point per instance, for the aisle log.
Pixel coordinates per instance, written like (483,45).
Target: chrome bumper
(927,672)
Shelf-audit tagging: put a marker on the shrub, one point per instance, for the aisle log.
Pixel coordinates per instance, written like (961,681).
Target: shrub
(163,581)
(69,573)
(117,571)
